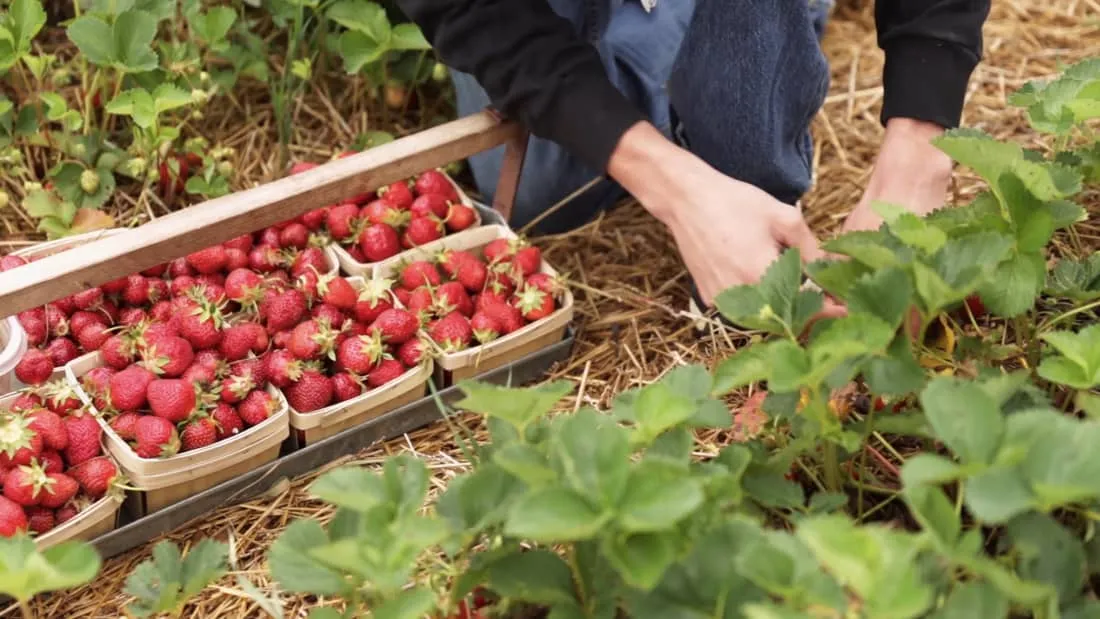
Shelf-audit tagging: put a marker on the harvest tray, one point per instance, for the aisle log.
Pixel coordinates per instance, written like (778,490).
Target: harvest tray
(136,532)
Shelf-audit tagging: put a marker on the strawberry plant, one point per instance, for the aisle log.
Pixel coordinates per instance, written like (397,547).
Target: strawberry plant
(26,571)
(163,584)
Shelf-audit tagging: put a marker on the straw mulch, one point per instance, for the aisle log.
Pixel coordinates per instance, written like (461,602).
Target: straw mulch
(630,285)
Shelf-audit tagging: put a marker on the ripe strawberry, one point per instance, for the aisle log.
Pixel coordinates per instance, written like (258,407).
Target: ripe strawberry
(128,387)
(284,310)
(498,250)
(58,490)
(345,386)
(35,328)
(360,354)
(172,399)
(343,221)
(239,243)
(40,520)
(208,260)
(10,262)
(545,282)
(84,436)
(96,383)
(423,230)
(56,321)
(312,339)
(66,305)
(25,401)
(382,212)
(61,351)
(60,397)
(451,297)
(433,181)
(282,368)
(329,314)
(307,283)
(472,274)
(485,327)
(402,296)
(19,444)
(200,324)
(336,291)
(48,425)
(295,235)
(234,389)
(244,286)
(51,461)
(179,268)
(88,299)
(257,408)
(527,260)
(374,299)
(198,433)
(452,332)
(378,242)
(534,304)
(396,326)
(228,422)
(34,368)
(356,253)
(264,259)
(168,356)
(66,513)
(95,476)
(137,290)
(25,484)
(210,280)
(12,518)
(387,370)
(315,219)
(411,352)
(397,194)
(93,336)
(450,260)
(235,259)
(421,302)
(78,321)
(460,217)
(312,391)
(132,316)
(156,438)
(301,166)
(125,425)
(976,306)
(157,271)
(240,340)
(420,273)
(161,312)
(430,204)
(501,280)
(270,237)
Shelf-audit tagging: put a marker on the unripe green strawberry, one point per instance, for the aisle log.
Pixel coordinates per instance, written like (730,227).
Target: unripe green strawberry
(89,181)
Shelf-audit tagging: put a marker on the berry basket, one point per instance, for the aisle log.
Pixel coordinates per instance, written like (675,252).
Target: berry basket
(13,344)
(164,481)
(453,367)
(351,266)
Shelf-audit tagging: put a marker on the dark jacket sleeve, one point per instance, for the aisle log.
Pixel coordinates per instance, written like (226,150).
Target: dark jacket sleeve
(534,67)
(931,47)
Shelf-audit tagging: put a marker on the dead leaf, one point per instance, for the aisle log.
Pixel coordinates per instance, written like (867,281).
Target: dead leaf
(749,420)
(88,219)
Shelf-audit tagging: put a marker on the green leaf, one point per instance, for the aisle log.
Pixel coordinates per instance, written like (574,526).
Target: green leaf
(870,248)
(998,495)
(212,26)
(353,487)
(296,570)
(136,103)
(409,604)
(1058,465)
(526,463)
(935,513)
(896,372)
(67,181)
(964,417)
(18,27)
(970,600)
(165,583)
(845,339)
(929,469)
(657,497)
(1049,553)
(408,36)
(776,304)
(325,612)
(359,51)
(910,229)
(205,563)
(551,515)
(1012,287)
(92,36)
(885,294)
(362,16)
(536,576)
(124,44)
(25,571)
(1077,363)
(658,408)
(836,276)
(771,489)
(40,203)
(641,558)
(592,454)
(790,366)
(169,97)
(479,499)
(518,406)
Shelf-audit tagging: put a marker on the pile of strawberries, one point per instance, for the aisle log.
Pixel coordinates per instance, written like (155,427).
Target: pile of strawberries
(466,298)
(51,461)
(406,214)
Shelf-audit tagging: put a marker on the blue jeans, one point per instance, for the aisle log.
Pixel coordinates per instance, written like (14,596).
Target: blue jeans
(735,81)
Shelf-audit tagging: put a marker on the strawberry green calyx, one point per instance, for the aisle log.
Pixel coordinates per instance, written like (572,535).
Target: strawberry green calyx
(530,299)
(40,481)
(207,311)
(15,434)
(376,290)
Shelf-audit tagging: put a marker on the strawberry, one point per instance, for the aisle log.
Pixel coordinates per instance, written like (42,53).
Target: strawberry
(420,273)
(257,408)
(545,282)
(58,490)
(472,274)
(360,354)
(241,339)
(208,260)
(235,259)
(25,401)
(35,328)
(345,386)
(402,296)
(374,299)
(156,438)
(198,433)
(93,336)
(88,299)
(451,297)
(125,425)
(378,242)
(179,268)
(172,399)
(128,387)
(396,326)
(264,259)
(452,332)
(51,461)
(34,368)
(423,230)
(284,310)
(397,194)
(154,272)
(433,181)
(312,391)
(97,384)
(356,253)
(282,368)
(976,306)
(12,518)
(66,305)
(498,250)
(56,321)
(66,513)
(133,316)
(500,280)
(84,436)
(421,302)
(329,314)
(295,235)
(95,476)
(48,425)
(60,397)
(10,262)
(534,304)
(236,388)
(25,484)
(244,286)
(228,422)
(387,370)
(315,219)
(307,283)
(201,324)
(239,243)
(311,340)
(270,237)
(161,312)
(459,217)
(343,221)
(301,166)
(61,351)
(336,291)
(527,260)
(382,212)
(411,352)
(168,356)
(40,520)
(430,204)
(79,320)
(485,327)
(450,260)
(137,290)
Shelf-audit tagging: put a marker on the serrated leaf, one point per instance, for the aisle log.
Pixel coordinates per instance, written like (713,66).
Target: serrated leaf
(935,513)
(657,497)
(136,103)
(213,25)
(92,36)
(552,515)
(592,454)
(744,367)
(295,570)
(836,277)
(969,600)
(896,372)
(169,97)
(537,576)
(1078,365)
(518,407)
(845,339)
(40,203)
(1048,553)
(964,417)
(885,294)
(868,247)
(1012,287)
(409,604)
(776,304)
(923,469)
(408,36)
(910,229)
(641,558)
(205,562)
(26,571)
(18,27)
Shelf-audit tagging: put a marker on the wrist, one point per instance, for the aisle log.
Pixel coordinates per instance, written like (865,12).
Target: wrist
(654,170)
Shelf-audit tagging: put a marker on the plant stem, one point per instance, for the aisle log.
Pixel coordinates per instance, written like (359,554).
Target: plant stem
(832,467)
(25,608)
(1073,312)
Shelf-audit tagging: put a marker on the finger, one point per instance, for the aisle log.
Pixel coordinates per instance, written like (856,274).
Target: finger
(798,234)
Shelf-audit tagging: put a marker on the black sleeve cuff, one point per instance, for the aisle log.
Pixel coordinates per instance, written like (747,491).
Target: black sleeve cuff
(925,79)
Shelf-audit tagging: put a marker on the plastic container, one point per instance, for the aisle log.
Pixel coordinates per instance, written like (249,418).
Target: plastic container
(351,266)
(458,366)
(13,345)
(164,481)
(99,518)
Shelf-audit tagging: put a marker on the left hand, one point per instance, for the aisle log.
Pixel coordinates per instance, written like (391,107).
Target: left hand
(909,172)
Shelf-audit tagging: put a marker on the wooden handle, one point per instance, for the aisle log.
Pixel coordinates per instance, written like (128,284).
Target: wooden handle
(515,150)
(218,220)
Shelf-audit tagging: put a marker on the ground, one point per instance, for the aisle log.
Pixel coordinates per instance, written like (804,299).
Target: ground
(630,285)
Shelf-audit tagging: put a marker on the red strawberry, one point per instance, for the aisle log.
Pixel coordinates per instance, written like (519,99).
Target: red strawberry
(498,250)
(534,304)
(374,299)
(312,391)
(284,310)
(137,290)
(10,262)
(34,368)
(343,221)
(452,332)
(311,340)
(161,312)
(430,204)
(79,320)
(257,408)
(157,271)
(396,326)
(420,273)
(198,433)
(460,217)
(345,387)
(25,485)
(295,235)
(433,181)
(168,356)
(40,520)
(88,299)
(19,444)
(172,399)
(451,297)
(244,286)
(12,518)
(51,461)
(329,313)
(282,368)
(411,352)
(61,351)
(545,282)
(93,336)
(35,328)
(500,280)
(402,296)
(240,340)
(58,490)
(379,242)
(356,253)
(450,260)
(200,324)
(128,387)
(336,291)
(156,438)
(56,321)
(382,212)
(485,327)
(421,302)
(179,268)
(60,397)
(67,513)
(84,437)
(423,230)
(228,422)
(25,401)
(302,166)
(95,476)
(307,283)
(527,260)
(315,219)
(387,370)
(472,274)
(270,237)
(359,354)
(264,259)
(96,383)
(132,316)
(125,425)
(118,351)
(209,260)
(239,243)
(397,194)
(48,425)
(507,317)
(236,388)
(235,259)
